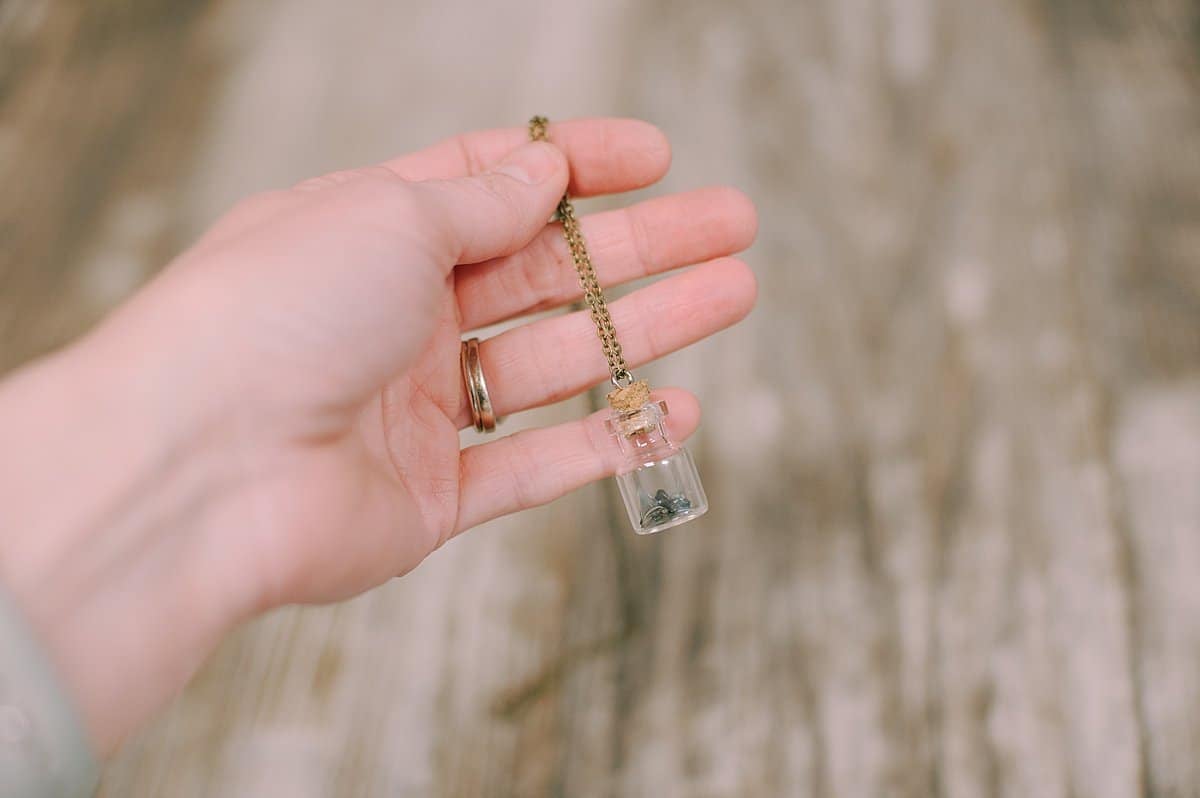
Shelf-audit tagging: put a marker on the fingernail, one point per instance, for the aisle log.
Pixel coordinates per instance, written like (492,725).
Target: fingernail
(530,163)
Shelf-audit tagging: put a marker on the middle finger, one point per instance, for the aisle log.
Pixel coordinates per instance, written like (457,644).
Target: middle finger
(646,238)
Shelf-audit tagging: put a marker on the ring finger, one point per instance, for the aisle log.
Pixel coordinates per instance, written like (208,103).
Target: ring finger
(552,359)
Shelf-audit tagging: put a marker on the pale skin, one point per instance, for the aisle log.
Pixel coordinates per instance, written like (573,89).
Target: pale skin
(274,419)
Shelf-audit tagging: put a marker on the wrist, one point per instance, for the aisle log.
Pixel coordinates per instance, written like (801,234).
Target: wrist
(106,492)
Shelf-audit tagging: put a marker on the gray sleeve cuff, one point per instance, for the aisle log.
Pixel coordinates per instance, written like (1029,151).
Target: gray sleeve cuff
(44,751)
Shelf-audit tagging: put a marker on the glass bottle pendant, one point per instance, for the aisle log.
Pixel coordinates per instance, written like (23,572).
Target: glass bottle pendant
(658,479)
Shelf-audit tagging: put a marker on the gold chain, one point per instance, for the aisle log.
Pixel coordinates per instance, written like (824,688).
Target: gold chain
(592,294)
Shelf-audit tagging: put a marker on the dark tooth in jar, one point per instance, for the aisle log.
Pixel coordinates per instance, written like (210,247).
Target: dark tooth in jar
(662,507)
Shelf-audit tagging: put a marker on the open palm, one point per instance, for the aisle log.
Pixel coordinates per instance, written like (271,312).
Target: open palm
(349,296)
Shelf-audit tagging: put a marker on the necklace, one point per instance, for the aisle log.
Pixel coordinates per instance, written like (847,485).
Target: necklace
(658,480)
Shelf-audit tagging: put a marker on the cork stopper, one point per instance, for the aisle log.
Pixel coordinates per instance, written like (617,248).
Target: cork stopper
(630,398)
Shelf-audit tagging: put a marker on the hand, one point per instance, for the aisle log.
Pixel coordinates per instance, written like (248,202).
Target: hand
(275,418)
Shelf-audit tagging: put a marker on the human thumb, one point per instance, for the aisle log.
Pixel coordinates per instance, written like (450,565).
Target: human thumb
(471,219)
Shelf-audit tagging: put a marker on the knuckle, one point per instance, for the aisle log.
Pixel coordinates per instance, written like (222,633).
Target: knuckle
(496,191)
(525,472)
(549,372)
(469,156)
(541,267)
(639,239)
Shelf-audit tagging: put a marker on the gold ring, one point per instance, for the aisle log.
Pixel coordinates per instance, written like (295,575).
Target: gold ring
(482,415)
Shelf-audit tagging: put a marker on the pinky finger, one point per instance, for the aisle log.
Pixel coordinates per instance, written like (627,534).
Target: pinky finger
(536,466)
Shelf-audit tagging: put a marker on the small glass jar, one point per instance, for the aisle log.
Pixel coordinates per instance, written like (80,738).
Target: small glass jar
(658,479)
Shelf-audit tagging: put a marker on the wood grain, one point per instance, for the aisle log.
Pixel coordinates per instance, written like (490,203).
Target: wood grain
(953,458)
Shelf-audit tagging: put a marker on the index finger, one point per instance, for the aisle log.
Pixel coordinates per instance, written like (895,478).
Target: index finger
(606,155)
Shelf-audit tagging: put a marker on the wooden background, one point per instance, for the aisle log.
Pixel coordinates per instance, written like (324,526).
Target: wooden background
(954,456)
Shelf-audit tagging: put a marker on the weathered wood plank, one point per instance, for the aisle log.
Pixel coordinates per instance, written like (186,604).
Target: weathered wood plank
(954,458)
